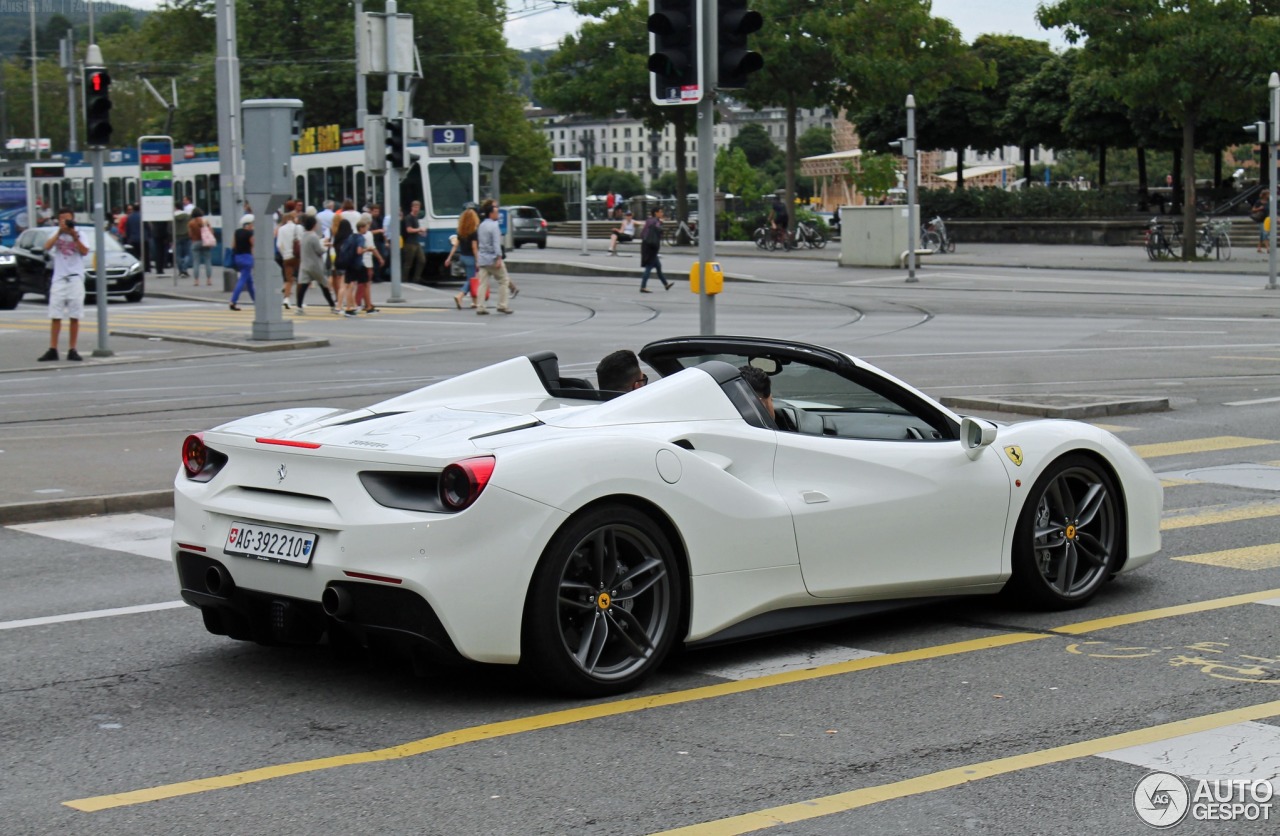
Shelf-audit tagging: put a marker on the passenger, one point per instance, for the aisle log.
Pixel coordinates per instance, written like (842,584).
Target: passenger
(620,372)
(763,387)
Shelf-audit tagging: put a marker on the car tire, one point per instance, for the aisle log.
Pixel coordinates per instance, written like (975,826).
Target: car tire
(516,244)
(604,605)
(137,293)
(542,245)
(10,298)
(1070,536)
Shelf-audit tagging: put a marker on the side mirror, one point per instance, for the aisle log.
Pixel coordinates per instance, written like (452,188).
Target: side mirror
(976,434)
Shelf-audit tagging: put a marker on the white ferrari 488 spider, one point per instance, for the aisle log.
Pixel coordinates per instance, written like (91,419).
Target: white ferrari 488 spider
(510,515)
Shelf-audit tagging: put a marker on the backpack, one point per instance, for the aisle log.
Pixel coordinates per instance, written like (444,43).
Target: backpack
(347,255)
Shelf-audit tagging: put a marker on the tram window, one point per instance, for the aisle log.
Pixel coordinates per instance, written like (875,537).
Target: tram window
(362,198)
(315,188)
(188,191)
(202,190)
(350,173)
(450,184)
(131,189)
(333,186)
(300,189)
(215,194)
(379,197)
(115,194)
(79,190)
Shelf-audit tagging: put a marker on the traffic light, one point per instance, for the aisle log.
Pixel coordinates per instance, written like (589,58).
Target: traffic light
(675,66)
(397,156)
(735,22)
(97,107)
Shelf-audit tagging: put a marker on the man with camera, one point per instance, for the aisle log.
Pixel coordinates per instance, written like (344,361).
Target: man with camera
(66,290)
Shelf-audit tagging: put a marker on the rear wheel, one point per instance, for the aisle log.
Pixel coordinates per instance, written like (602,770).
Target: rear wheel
(1069,536)
(762,238)
(9,298)
(817,240)
(604,605)
(931,241)
(1223,248)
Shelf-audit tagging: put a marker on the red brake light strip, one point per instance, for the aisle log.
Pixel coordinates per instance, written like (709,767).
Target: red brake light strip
(285,442)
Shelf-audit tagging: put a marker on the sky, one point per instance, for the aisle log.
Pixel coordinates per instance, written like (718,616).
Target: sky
(528,26)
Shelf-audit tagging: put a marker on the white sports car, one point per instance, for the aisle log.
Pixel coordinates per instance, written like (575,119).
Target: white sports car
(510,515)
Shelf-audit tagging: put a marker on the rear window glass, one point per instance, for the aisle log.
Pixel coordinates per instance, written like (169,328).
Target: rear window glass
(526,212)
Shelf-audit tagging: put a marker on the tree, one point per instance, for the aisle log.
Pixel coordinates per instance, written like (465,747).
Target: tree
(1193,59)
(1037,106)
(601,179)
(815,141)
(874,174)
(755,143)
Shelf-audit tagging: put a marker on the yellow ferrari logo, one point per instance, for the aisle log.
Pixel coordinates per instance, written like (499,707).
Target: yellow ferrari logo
(1071,532)
(604,601)
(1015,454)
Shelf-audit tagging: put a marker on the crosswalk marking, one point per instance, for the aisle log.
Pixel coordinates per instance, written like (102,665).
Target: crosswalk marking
(1252,558)
(1213,516)
(1198,445)
(138,534)
(1248,750)
(84,616)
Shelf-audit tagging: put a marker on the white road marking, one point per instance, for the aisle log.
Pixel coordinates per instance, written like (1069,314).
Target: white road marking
(83,616)
(1245,750)
(747,665)
(1252,403)
(133,533)
(1272,602)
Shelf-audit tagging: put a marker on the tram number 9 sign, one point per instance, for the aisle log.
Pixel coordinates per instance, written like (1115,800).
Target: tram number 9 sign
(448,140)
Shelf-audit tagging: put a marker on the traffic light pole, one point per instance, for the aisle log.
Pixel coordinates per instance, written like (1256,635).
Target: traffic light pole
(391,216)
(1273,87)
(99,254)
(707,168)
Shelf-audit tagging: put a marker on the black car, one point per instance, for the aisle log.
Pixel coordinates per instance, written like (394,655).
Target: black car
(10,286)
(35,265)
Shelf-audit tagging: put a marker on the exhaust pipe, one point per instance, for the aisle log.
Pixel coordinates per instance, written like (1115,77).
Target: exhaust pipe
(336,602)
(218,581)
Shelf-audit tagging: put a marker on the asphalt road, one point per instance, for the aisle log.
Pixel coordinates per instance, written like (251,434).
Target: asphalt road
(963,717)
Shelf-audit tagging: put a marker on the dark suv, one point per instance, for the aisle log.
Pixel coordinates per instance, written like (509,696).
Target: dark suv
(35,266)
(527,226)
(10,286)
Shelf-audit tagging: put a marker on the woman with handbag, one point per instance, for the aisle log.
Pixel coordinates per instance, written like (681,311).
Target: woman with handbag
(203,243)
(466,248)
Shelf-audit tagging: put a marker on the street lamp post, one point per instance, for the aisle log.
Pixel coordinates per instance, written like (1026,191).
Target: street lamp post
(1273,86)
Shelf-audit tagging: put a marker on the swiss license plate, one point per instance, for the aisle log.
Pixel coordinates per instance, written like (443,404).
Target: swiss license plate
(267,542)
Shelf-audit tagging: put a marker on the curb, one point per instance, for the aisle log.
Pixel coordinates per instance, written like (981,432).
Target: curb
(276,345)
(562,268)
(57,509)
(1065,407)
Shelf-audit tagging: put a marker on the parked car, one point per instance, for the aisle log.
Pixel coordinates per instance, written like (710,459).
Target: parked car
(511,515)
(35,266)
(10,286)
(527,226)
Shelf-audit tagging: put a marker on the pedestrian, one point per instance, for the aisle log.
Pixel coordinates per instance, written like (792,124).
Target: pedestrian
(610,201)
(412,259)
(355,287)
(368,254)
(781,219)
(66,288)
(376,228)
(133,231)
(490,262)
(1260,213)
(324,220)
(243,254)
(650,244)
(342,230)
(118,221)
(289,247)
(312,267)
(181,240)
(625,231)
(466,251)
(203,242)
(159,234)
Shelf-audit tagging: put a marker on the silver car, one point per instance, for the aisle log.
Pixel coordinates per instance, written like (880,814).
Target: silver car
(527,226)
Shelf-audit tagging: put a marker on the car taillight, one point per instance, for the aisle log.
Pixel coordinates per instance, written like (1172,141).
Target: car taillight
(543,222)
(194,455)
(462,482)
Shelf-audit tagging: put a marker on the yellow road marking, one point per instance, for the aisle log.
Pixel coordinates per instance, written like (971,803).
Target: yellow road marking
(1251,558)
(846,801)
(1177,483)
(1198,445)
(1220,515)
(506,728)
(1114,428)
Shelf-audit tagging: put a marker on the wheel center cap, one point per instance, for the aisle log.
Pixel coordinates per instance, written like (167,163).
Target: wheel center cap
(603,600)
(1071,532)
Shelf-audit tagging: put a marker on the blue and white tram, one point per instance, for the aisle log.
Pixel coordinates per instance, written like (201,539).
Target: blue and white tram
(444,186)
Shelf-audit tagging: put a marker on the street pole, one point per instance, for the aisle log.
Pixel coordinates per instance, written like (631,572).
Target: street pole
(392,110)
(1273,84)
(582,203)
(67,56)
(707,167)
(362,95)
(228,109)
(35,86)
(99,253)
(913,221)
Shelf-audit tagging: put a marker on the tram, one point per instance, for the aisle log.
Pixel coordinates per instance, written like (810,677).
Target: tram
(329,165)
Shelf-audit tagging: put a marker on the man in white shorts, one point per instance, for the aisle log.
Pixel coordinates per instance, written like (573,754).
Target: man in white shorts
(66,292)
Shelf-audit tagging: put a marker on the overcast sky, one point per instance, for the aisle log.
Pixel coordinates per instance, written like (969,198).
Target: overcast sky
(534,28)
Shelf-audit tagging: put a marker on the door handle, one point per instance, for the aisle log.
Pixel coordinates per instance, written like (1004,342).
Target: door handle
(814,497)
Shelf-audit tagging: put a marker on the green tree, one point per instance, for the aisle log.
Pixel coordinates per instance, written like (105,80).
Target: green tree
(874,174)
(1193,59)
(755,143)
(815,141)
(737,176)
(602,179)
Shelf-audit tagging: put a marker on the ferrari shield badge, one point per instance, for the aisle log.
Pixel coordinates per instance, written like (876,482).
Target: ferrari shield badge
(1015,454)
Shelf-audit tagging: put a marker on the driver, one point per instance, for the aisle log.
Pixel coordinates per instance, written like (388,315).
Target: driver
(763,388)
(620,372)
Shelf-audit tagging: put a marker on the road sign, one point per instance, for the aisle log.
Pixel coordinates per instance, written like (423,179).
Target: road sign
(567,165)
(155,161)
(448,140)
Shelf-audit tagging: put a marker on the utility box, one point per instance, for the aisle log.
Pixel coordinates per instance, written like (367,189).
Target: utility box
(715,277)
(873,236)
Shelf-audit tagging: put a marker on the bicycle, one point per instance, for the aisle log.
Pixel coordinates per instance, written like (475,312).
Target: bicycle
(807,233)
(1160,245)
(780,237)
(1214,238)
(671,234)
(761,237)
(935,238)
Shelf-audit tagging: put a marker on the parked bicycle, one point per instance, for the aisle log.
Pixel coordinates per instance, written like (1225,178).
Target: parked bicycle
(1161,245)
(1215,239)
(935,238)
(807,233)
(671,232)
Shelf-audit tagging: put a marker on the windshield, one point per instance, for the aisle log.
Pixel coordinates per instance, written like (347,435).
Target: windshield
(450,184)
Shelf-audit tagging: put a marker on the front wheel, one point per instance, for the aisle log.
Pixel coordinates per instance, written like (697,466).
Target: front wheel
(951,245)
(931,241)
(1223,248)
(604,605)
(762,238)
(1069,538)
(818,241)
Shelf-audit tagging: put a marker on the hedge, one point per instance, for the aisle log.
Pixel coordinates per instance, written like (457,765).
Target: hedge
(1029,203)
(549,204)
